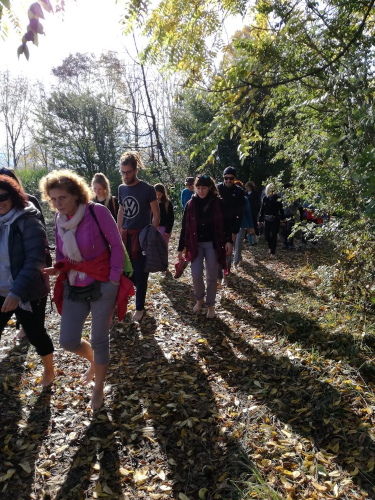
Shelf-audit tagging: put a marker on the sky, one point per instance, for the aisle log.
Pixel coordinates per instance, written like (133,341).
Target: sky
(88,26)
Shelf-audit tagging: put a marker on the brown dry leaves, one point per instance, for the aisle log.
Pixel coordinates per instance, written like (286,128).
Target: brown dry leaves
(265,401)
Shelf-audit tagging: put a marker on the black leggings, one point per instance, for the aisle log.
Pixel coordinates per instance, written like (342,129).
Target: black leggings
(33,324)
(270,234)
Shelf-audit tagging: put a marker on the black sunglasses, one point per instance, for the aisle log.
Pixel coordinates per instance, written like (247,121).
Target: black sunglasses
(229,178)
(4,197)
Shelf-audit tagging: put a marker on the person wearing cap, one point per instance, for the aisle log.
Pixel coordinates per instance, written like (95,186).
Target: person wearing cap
(188,192)
(234,207)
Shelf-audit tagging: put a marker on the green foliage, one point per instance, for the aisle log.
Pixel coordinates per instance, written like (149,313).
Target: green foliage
(30,180)
(80,123)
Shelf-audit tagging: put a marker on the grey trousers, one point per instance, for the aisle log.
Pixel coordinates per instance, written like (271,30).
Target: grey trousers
(239,245)
(74,315)
(206,253)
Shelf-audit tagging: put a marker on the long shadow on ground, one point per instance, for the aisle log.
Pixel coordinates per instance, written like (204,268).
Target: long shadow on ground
(24,433)
(301,329)
(292,391)
(167,408)
(95,465)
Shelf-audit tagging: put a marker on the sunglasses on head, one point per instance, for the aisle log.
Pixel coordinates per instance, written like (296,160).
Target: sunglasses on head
(202,176)
(4,197)
(229,178)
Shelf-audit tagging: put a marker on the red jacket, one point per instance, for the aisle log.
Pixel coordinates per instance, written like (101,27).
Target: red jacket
(98,269)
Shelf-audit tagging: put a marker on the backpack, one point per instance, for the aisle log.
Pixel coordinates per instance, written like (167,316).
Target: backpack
(154,248)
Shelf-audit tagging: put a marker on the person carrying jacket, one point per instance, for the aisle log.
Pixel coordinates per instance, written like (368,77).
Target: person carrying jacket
(138,207)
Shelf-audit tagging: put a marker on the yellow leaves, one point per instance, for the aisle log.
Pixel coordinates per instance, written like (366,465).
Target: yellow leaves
(182,496)
(140,476)
(25,466)
(287,485)
(371,464)
(202,494)
(126,472)
(318,486)
(102,490)
(8,475)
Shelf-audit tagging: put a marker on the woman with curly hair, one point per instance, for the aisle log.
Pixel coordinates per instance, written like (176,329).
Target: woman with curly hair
(207,241)
(23,286)
(89,273)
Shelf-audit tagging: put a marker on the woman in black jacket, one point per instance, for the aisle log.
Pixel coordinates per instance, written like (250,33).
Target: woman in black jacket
(272,215)
(166,212)
(23,286)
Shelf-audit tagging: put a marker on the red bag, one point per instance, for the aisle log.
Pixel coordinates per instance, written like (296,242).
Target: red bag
(180,265)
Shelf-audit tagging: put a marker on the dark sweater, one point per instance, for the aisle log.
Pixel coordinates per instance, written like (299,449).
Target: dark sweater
(112,205)
(205,223)
(234,205)
(27,240)
(166,216)
(271,205)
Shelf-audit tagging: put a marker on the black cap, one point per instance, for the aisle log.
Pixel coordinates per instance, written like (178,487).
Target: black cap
(230,171)
(189,180)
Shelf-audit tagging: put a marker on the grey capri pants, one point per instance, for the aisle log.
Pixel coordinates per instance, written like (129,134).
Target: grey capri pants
(74,315)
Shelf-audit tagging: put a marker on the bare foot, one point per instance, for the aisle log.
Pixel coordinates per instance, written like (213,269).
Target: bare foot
(89,375)
(198,305)
(210,312)
(48,378)
(138,315)
(21,334)
(97,398)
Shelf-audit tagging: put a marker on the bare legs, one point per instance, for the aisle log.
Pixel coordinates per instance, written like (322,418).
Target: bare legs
(49,373)
(96,371)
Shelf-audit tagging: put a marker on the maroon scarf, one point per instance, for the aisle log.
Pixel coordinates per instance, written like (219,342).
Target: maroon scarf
(191,237)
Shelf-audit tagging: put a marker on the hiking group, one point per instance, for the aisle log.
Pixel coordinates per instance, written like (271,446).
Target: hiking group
(106,246)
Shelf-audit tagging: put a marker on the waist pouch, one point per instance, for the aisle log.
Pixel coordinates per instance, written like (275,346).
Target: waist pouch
(87,293)
(269,218)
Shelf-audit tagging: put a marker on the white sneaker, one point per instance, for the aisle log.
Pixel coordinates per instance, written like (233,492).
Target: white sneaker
(138,315)
(225,280)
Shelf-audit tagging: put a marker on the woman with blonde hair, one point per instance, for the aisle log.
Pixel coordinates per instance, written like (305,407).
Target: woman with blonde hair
(89,273)
(166,212)
(102,189)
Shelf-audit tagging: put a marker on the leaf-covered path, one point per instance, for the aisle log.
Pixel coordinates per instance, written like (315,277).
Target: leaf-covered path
(273,399)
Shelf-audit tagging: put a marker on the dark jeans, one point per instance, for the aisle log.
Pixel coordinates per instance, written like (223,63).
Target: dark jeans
(271,230)
(255,216)
(139,278)
(33,324)
(286,231)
